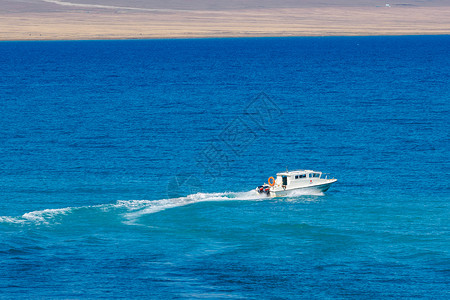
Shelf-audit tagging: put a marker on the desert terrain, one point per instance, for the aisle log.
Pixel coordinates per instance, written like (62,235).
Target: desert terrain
(143,19)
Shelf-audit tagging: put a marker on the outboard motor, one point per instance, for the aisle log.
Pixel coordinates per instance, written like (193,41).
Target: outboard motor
(263,189)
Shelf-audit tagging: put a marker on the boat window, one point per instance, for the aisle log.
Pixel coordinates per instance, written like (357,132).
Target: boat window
(302,176)
(296,176)
(310,175)
(316,175)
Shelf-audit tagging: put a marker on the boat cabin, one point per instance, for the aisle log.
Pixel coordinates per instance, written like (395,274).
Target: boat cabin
(293,177)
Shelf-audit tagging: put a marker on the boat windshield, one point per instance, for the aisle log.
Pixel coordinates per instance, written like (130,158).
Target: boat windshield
(315,175)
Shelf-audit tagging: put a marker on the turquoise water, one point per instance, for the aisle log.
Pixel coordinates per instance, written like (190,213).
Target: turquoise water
(128,168)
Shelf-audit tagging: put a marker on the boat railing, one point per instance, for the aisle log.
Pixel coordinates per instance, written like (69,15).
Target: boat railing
(326,175)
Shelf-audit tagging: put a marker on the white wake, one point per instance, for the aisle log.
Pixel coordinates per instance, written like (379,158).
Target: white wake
(131,210)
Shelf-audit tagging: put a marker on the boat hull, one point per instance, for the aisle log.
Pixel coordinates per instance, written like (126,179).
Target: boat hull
(317,188)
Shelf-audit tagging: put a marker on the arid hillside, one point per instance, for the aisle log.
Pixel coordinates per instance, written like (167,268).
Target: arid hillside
(120,19)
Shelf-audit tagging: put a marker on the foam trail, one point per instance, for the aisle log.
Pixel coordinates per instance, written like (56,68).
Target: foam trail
(159,205)
(132,210)
(39,216)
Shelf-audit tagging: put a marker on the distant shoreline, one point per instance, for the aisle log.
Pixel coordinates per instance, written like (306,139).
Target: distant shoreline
(297,22)
(217,37)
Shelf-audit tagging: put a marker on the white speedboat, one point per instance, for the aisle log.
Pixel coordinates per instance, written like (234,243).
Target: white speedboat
(292,182)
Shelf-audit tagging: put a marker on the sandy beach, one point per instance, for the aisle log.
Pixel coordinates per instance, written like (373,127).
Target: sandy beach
(56,20)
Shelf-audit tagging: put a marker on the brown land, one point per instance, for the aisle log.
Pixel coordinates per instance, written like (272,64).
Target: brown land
(40,20)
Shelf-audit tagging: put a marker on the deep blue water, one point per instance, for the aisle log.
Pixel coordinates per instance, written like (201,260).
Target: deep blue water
(127,168)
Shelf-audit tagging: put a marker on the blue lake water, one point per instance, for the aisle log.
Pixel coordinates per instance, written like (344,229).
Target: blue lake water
(127,168)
